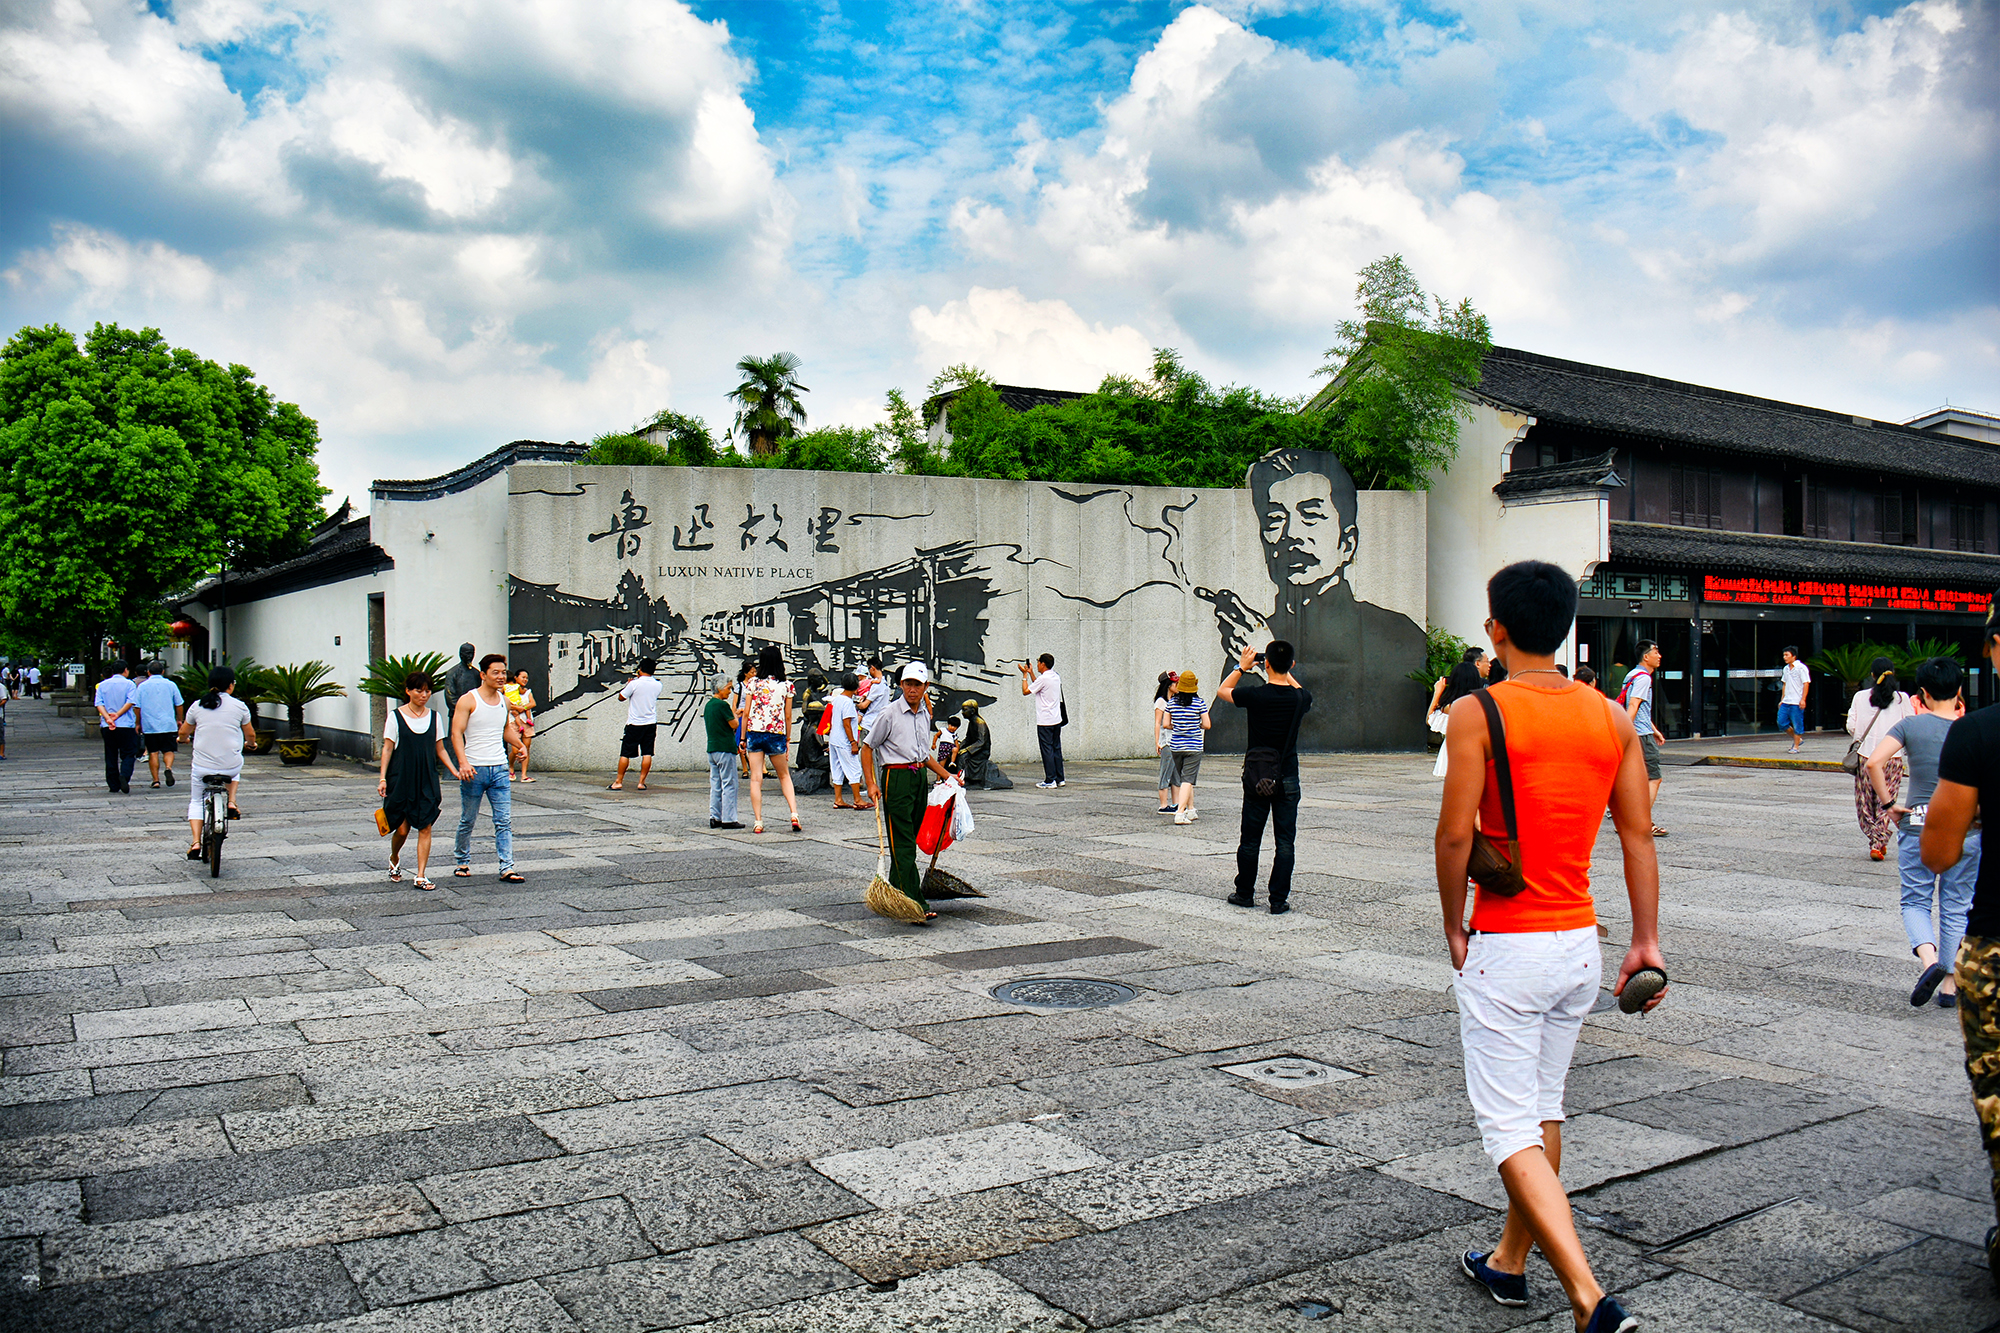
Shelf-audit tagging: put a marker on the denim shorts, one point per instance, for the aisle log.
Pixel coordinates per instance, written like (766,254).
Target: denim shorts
(764,742)
(1792,717)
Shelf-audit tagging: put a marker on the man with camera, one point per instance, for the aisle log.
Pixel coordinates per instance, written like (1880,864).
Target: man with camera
(1275,709)
(1039,679)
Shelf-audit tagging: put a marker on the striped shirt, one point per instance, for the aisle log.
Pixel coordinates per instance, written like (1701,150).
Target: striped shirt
(1185,719)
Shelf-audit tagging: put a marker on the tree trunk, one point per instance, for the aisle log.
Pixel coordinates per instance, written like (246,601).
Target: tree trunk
(296,715)
(762,444)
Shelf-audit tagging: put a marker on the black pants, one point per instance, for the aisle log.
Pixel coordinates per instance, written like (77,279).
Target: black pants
(1282,809)
(121,753)
(1051,739)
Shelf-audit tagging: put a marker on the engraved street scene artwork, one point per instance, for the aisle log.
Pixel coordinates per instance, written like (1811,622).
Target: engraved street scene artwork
(699,569)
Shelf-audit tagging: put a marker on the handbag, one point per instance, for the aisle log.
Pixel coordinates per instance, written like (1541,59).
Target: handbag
(1852,761)
(1260,763)
(1493,870)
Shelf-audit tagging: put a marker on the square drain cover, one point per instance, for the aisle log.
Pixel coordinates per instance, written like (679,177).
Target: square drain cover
(1289,1071)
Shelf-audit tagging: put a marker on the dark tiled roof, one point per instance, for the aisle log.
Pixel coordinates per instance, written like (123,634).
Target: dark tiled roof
(337,551)
(1716,552)
(478,470)
(1015,397)
(1580,475)
(1572,393)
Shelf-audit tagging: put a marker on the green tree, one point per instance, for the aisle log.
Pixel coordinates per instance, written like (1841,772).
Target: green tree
(129,470)
(616,449)
(767,401)
(688,443)
(1398,373)
(293,685)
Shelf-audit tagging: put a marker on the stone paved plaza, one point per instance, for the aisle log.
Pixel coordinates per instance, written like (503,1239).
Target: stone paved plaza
(684,1080)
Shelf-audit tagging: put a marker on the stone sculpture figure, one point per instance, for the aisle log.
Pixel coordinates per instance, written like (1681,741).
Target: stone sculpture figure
(461,679)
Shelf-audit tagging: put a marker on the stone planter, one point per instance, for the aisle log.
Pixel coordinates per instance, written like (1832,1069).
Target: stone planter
(296,750)
(266,738)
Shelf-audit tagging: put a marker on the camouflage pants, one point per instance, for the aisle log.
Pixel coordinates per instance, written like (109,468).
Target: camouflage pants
(1978,969)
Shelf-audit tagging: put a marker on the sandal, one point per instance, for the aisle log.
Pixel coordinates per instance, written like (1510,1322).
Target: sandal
(463,872)
(757,827)
(395,872)
(234,813)
(642,786)
(156,784)
(194,853)
(421,883)
(526,778)
(616,786)
(795,825)
(842,805)
(1659,832)
(513,877)
(869,806)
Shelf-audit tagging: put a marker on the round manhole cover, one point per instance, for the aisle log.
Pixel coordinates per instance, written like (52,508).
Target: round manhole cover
(1293,1071)
(1063,993)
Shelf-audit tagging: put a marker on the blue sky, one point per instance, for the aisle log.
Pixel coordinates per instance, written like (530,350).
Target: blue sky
(439,228)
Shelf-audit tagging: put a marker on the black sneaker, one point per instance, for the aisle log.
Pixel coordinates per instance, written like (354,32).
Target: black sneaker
(715,823)
(1238,900)
(1610,1317)
(1927,983)
(1506,1288)
(1945,1000)
(170,777)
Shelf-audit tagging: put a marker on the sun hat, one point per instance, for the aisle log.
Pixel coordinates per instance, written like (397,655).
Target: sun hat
(1186,683)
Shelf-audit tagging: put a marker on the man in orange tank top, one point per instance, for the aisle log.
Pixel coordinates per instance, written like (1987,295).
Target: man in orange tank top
(1528,970)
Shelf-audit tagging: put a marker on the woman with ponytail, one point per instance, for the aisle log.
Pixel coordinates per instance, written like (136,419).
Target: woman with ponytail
(219,726)
(1877,706)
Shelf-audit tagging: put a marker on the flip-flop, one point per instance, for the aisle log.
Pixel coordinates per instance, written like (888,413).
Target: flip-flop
(842,805)
(616,786)
(513,878)
(395,872)
(1659,832)
(1640,987)
(869,806)
(526,778)
(641,787)
(423,883)
(463,872)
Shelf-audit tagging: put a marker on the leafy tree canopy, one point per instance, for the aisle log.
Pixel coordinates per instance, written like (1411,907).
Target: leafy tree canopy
(1398,372)
(128,470)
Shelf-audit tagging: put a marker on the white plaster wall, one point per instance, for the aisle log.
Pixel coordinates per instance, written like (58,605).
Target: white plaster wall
(1472,534)
(301,627)
(449,585)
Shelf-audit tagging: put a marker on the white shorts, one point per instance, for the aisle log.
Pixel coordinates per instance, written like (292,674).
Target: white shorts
(1522,999)
(196,791)
(843,765)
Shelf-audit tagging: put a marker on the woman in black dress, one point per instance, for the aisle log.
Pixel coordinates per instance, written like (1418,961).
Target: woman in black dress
(409,782)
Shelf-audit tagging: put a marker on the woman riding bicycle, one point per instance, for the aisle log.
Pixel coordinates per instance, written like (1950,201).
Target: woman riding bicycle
(219,725)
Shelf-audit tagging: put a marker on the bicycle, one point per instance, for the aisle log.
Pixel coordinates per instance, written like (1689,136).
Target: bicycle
(214,820)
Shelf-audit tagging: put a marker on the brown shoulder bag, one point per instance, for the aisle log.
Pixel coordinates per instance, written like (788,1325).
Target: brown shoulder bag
(1493,870)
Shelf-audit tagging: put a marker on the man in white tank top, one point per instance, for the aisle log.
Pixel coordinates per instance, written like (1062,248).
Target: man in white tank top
(483,737)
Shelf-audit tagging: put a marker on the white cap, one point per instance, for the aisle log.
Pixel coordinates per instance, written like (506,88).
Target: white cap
(916,671)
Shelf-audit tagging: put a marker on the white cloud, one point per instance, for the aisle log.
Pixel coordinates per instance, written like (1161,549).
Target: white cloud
(100,265)
(1018,341)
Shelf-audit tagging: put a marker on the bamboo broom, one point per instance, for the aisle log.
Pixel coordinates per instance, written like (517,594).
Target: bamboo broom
(883,898)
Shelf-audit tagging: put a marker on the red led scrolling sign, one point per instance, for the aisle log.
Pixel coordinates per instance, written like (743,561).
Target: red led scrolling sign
(1863,596)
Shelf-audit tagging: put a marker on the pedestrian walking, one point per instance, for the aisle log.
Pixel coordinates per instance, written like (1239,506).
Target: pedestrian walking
(1637,699)
(1585,676)
(216,729)
(1475,658)
(118,727)
(412,749)
(3,728)
(1527,971)
(483,737)
(895,749)
(1874,709)
(740,701)
(34,681)
(1463,680)
(642,723)
(1040,680)
(160,706)
(718,718)
(521,708)
(1969,779)
(1794,685)
(1270,770)
(1921,738)
(1162,730)
(1188,715)
(767,722)
(843,745)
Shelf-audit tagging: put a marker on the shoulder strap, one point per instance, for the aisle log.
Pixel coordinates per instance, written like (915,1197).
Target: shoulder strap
(1497,729)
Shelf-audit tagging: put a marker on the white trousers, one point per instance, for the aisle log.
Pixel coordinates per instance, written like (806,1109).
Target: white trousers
(1522,999)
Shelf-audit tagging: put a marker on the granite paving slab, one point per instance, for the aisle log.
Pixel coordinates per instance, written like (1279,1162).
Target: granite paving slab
(521,1307)
(968,1299)
(1596,1148)
(1132,1191)
(448,1260)
(896,1243)
(693,1286)
(1785,1249)
(934,1168)
(1933,1284)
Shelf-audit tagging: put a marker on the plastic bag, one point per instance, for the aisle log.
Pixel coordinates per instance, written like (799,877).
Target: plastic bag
(961,819)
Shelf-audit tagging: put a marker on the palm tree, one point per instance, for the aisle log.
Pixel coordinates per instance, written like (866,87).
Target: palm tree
(767,401)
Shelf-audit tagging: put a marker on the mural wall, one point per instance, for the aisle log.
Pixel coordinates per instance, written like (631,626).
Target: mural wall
(700,568)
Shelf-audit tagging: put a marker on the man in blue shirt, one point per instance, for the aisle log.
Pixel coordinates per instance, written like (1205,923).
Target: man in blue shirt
(160,703)
(118,725)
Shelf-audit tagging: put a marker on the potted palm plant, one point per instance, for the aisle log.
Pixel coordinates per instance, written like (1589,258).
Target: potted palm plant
(252,677)
(292,687)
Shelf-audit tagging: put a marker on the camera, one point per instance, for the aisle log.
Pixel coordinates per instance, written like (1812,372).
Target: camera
(1258,659)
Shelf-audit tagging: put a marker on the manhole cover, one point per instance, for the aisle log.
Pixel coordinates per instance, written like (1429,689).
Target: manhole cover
(1289,1071)
(1063,993)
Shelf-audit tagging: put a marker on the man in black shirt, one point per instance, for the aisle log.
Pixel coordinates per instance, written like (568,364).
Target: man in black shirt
(1274,710)
(1969,779)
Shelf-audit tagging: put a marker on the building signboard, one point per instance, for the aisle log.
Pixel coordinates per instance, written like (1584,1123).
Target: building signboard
(1860,596)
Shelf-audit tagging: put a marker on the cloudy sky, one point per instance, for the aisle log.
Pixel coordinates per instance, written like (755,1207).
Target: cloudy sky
(442,226)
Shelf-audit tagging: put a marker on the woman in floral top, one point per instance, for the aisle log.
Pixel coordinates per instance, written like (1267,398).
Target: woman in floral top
(767,710)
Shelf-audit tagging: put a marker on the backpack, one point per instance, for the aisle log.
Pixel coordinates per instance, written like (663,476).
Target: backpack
(1626,688)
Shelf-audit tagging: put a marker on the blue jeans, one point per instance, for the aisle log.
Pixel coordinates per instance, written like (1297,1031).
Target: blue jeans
(1282,809)
(1792,717)
(490,781)
(722,785)
(1953,891)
